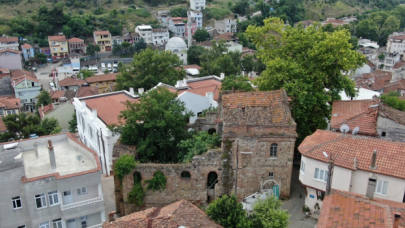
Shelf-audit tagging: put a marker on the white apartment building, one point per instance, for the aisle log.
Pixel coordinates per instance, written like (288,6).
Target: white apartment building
(396,43)
(50,181)
(363,165)
(226,25)
(9,43)
(369,48)
(160,36)
(94,114)
(198,17)
(145,32)
(177,26)
(197,4)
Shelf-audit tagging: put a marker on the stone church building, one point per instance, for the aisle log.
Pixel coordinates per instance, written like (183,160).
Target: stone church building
(258,136)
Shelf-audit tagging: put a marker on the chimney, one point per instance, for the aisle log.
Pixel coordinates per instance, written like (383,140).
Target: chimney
(140,90)
(94,113)
(178,84)
(131,91)
(372,182)
(51,155)
(111,216)
(210,96)
(184,81)
(222,76)
(36,150)
(373,160)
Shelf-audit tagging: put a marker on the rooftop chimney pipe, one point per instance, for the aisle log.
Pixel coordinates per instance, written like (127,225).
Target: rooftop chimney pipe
(373,160)
(131,91)
(51,155)
(140,90)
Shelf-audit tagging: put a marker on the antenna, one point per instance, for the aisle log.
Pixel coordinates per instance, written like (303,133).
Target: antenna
(355,130)
(344,128)
(325,154)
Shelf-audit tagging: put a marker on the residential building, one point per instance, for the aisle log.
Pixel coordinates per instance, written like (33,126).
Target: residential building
(10,43)
(145,32)
(59,47)
(103,82)
(396,43)
(179,47)
(368,67)
(193,26)
(71,83)
(389,61)
(197,4)
(11,59)
(135,37)
(177,26)
(225,25)
(9,106)
(230,46)
(45,50)
(76,45)
(50,181)
(121,39)
(335,22)
(94,114)
(179,214)
(362,165)
(72,62)
(376,81)
(347,209)
(27,88)
(62,96)
(160,36)
(228,36)
(27,51)
(369,48)
(395,86)
(86,91)
(198,17)
(103,39)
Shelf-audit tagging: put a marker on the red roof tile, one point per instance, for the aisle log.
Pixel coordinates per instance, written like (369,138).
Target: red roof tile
(75,40)
(71,81)
(194,66)
(22,78)
(86,91)
(102,32)
(180,213)
(344,209)
(16,73)
(102,78)
(2,126)
(58,94)
(345,148)
(355,113)
(399,64)
(10,103)
(8,39)
(394,86)
(10,50)
(26,46)
(56,38)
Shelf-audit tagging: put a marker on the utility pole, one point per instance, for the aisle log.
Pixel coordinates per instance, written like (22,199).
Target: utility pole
(237,164)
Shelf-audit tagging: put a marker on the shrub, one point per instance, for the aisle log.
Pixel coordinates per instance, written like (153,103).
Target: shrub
(132,6)
(158,182)
(124,165)
(81,12)
(142,13)
(136,195)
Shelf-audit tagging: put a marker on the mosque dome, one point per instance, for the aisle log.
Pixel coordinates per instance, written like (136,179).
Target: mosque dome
(176,44)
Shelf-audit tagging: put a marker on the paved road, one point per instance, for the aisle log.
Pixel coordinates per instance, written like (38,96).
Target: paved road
(295,203)
(43,75)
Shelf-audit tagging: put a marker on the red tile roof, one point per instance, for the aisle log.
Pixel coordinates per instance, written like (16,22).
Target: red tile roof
(2,126)
(345,148)
(399,64)
(226,36)
(180,213)
(26,46)
(71,81)
(10,103)
(194,66)
(355,113)
(394,86)
(8,39)
(10,50)
(57,94)
(392,114)
(102,32)
(56,38)
(102,78)
(16,73)
(22,78)
(109,106)
(75,40)
(344,209)
(86,91)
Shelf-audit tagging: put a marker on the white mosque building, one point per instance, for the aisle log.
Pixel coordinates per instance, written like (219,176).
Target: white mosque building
(179,47)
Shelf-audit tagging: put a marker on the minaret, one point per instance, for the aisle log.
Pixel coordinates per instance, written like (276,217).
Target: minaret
(189,29)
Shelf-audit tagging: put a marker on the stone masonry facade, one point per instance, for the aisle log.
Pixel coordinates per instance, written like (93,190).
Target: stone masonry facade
(257,131)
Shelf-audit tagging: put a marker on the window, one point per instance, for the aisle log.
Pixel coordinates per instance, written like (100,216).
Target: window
(382,187)
(383,134)
(321,175)
(40,201)
(57,223)
(21,226)
(16,202)
(44,225)
(83,218)
(302,168)
(53,198)
(271,174)
(273,150)
(320,195)
(81,191)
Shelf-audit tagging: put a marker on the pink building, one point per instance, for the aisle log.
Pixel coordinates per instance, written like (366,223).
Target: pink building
(11,59)
(193,27)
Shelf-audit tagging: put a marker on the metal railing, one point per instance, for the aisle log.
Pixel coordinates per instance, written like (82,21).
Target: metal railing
(81,203)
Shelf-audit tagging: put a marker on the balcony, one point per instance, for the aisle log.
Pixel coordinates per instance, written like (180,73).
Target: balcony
(81,203)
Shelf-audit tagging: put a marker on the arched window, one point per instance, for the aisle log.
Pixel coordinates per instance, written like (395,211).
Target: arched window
(273,150)
(211,131)
(137,177)
(185,175)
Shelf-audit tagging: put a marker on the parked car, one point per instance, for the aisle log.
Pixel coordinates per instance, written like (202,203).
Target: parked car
(55,60)
(52,86)
(102,67)
(51,74)
(109,68)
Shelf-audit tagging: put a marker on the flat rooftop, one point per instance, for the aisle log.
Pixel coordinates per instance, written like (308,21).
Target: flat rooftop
(70,157)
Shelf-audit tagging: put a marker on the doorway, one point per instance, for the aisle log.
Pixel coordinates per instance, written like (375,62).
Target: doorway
(212,179)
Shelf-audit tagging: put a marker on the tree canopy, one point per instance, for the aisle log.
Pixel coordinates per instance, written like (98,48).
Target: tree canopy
(150,67)
(198,144)
(378,26)
(236,82)
(155,125)
(201,35)
(194,53)
(44,98)
(308,64)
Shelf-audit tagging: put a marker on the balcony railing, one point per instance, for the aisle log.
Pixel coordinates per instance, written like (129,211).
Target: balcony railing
(82,203)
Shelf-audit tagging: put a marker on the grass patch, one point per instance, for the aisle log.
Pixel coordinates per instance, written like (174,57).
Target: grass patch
(319,10)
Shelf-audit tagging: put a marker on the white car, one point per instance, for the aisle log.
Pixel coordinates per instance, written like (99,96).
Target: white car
(109,68)
(102,67)
(52,86)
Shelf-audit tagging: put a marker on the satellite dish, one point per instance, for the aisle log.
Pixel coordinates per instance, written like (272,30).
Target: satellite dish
(355,130)
(344,128)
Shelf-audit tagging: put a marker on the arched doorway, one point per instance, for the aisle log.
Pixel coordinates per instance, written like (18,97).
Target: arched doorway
(212,179)
(211,131)
(272,187)
(137,178)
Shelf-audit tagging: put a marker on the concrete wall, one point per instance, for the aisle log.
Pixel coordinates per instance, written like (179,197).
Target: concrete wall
(393,131)
(12,62)
(196,103)
(364,69)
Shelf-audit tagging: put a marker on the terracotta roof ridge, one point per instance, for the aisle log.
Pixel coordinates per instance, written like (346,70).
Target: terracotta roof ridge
(312,147)
(352,118)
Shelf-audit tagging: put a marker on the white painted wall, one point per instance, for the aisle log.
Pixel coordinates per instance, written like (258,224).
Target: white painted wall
(364,69)
(197,103)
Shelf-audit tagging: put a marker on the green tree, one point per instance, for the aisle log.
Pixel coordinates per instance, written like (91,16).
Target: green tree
(196,145)
(218,60)
(125,45)
(378,26)
(178,12)
(67,31)
(241,7)
(140,45)
(124,165)
(73,123)
(269,212)
(21,125)
(78,27)
(150,67)
(44,98)
(155,125)
(237,83)
(227,212)
(248,63)
(41,57)
(43,29)
(243,39)
(201,35)
(305,70)
(50,126)
(116,48)
(194,53)
(90,50)
(85,73)
(97,48)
